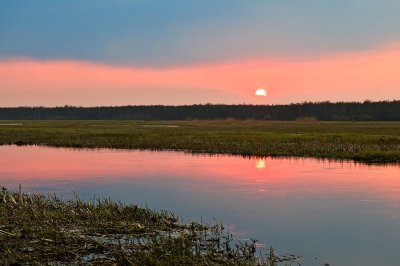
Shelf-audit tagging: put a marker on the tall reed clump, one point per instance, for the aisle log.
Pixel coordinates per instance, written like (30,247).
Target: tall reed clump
(38,229)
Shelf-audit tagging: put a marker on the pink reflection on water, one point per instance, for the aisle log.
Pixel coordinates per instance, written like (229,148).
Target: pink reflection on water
(35,165)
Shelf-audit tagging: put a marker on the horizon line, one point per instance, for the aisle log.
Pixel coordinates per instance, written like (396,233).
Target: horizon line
(207,104)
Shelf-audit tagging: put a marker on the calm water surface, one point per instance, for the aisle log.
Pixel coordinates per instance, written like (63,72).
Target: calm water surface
(340,212)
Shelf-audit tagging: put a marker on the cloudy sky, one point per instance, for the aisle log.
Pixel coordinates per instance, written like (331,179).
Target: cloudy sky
(120,52)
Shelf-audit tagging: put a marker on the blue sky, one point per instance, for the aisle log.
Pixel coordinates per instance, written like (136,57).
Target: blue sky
(170,33)
(120,52)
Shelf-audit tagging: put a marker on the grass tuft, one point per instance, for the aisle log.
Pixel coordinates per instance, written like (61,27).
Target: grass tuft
(38,229)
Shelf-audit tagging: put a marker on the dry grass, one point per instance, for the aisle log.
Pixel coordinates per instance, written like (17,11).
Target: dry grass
(40,230)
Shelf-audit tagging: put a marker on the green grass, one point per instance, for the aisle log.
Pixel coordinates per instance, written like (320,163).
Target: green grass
(40,230)
(371,142)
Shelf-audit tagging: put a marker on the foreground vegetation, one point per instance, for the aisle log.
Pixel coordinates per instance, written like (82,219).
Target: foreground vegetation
(37,230)
(371,142)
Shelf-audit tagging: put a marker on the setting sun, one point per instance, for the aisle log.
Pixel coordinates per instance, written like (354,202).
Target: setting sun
(261,92)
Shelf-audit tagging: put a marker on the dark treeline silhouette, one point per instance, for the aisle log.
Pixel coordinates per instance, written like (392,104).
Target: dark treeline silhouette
(383,110)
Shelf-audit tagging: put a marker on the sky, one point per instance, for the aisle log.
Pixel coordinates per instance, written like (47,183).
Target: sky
(101,52)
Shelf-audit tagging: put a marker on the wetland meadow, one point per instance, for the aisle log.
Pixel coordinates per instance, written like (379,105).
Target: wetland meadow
(369,142)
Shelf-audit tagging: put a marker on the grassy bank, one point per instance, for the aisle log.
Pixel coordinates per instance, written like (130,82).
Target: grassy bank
(371,142)
(40,230)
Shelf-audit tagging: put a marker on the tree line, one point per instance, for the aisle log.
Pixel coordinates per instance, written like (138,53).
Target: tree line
(326,111)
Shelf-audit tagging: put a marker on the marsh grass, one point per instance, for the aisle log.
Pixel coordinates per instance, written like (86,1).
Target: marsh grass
(44,230)
(371,142)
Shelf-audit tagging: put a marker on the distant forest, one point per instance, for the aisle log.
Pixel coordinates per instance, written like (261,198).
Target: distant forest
(344,111)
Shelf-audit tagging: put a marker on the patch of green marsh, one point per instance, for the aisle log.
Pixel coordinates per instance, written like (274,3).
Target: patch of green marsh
(371,142)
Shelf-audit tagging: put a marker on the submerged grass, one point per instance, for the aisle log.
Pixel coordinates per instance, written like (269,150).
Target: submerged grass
(371,142)
(37,229)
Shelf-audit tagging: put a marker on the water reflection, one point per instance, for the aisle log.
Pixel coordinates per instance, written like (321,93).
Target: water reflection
(342,212)
(260,163)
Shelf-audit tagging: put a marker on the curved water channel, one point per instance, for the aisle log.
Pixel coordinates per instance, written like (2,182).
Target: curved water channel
(343,213)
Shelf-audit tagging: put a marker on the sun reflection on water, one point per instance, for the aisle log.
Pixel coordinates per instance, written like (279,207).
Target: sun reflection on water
(260,164)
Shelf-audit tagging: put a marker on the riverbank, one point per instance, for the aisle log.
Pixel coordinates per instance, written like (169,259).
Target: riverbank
(369,142)
(38,229)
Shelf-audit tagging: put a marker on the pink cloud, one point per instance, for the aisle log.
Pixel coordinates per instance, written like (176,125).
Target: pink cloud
(357,76)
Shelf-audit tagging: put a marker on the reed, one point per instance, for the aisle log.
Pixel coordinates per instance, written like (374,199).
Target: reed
(38,229)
